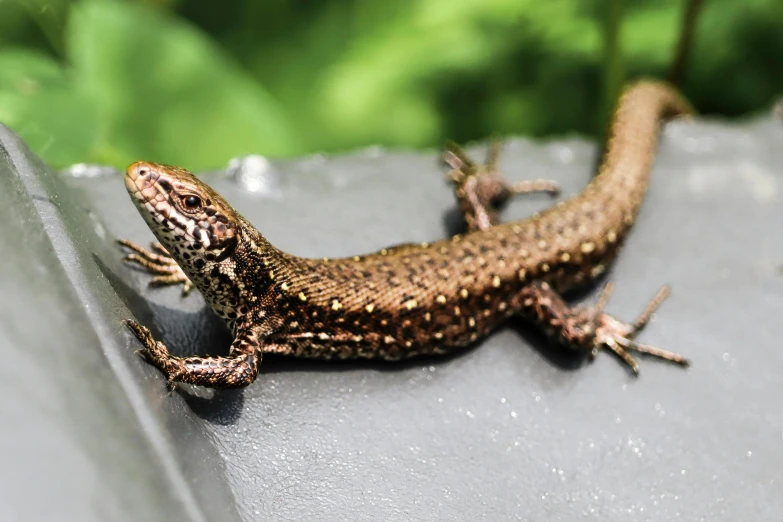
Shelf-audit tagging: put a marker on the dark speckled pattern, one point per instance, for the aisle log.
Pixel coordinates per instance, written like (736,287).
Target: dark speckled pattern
(508,430)
(414,299)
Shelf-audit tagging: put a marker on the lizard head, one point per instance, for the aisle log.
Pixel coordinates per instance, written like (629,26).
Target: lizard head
(192,221)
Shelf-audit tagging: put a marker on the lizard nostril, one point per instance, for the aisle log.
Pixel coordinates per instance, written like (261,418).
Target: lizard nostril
(140,169)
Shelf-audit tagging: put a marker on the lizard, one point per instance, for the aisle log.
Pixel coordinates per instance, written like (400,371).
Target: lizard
(410,299)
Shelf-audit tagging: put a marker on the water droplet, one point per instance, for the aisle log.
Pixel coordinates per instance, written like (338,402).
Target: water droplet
(89,170)
(564,153)
(255,174)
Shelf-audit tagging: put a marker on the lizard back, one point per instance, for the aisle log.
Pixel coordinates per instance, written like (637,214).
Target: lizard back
(419,298)
(410,299)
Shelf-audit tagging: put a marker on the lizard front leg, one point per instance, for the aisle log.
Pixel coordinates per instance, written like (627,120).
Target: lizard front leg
(589,329)
(481,191)
(159,262)
(236,370)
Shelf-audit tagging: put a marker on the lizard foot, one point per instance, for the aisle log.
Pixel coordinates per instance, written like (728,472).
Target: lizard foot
(481,191)
(156,353)
(494,184)
(236,370)
(158,262)
(618,336)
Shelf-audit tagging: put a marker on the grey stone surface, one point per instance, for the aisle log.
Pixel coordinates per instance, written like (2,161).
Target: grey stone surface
(84,435)
(512,429)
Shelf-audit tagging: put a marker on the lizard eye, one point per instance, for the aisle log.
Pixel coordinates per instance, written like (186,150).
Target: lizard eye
(191,202)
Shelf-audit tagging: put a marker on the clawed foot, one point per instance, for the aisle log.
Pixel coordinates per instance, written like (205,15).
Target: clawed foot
(618,336)
(158,262)
(462,168)
(481,191)
(156,353)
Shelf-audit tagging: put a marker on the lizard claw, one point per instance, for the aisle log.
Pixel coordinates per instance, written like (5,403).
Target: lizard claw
(618,336)
(154,352)
(171,385)
(173,279)
(166,271)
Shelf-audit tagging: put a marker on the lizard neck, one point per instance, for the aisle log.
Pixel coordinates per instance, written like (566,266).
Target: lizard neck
(237,284)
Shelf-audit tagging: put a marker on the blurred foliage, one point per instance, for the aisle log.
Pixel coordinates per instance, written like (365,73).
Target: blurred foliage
(197,82)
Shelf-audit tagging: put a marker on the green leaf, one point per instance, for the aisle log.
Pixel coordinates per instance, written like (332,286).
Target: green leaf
(39,103)
(164,92)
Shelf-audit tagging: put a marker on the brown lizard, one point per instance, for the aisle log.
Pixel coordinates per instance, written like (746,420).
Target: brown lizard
(410,299)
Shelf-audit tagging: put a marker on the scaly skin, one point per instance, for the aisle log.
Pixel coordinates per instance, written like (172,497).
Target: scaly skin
(411,299)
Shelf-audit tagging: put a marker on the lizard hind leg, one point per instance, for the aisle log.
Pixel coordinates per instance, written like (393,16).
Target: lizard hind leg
(589,329)
(481,191)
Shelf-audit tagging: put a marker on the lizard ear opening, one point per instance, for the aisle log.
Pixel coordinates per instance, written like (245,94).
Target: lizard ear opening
(226,248)
(222,233)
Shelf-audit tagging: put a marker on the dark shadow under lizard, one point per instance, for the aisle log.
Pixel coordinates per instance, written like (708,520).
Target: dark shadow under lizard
(203,333)
(186,333)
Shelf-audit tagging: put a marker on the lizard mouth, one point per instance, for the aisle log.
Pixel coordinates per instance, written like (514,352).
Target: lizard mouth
(151,190)
(147,187)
